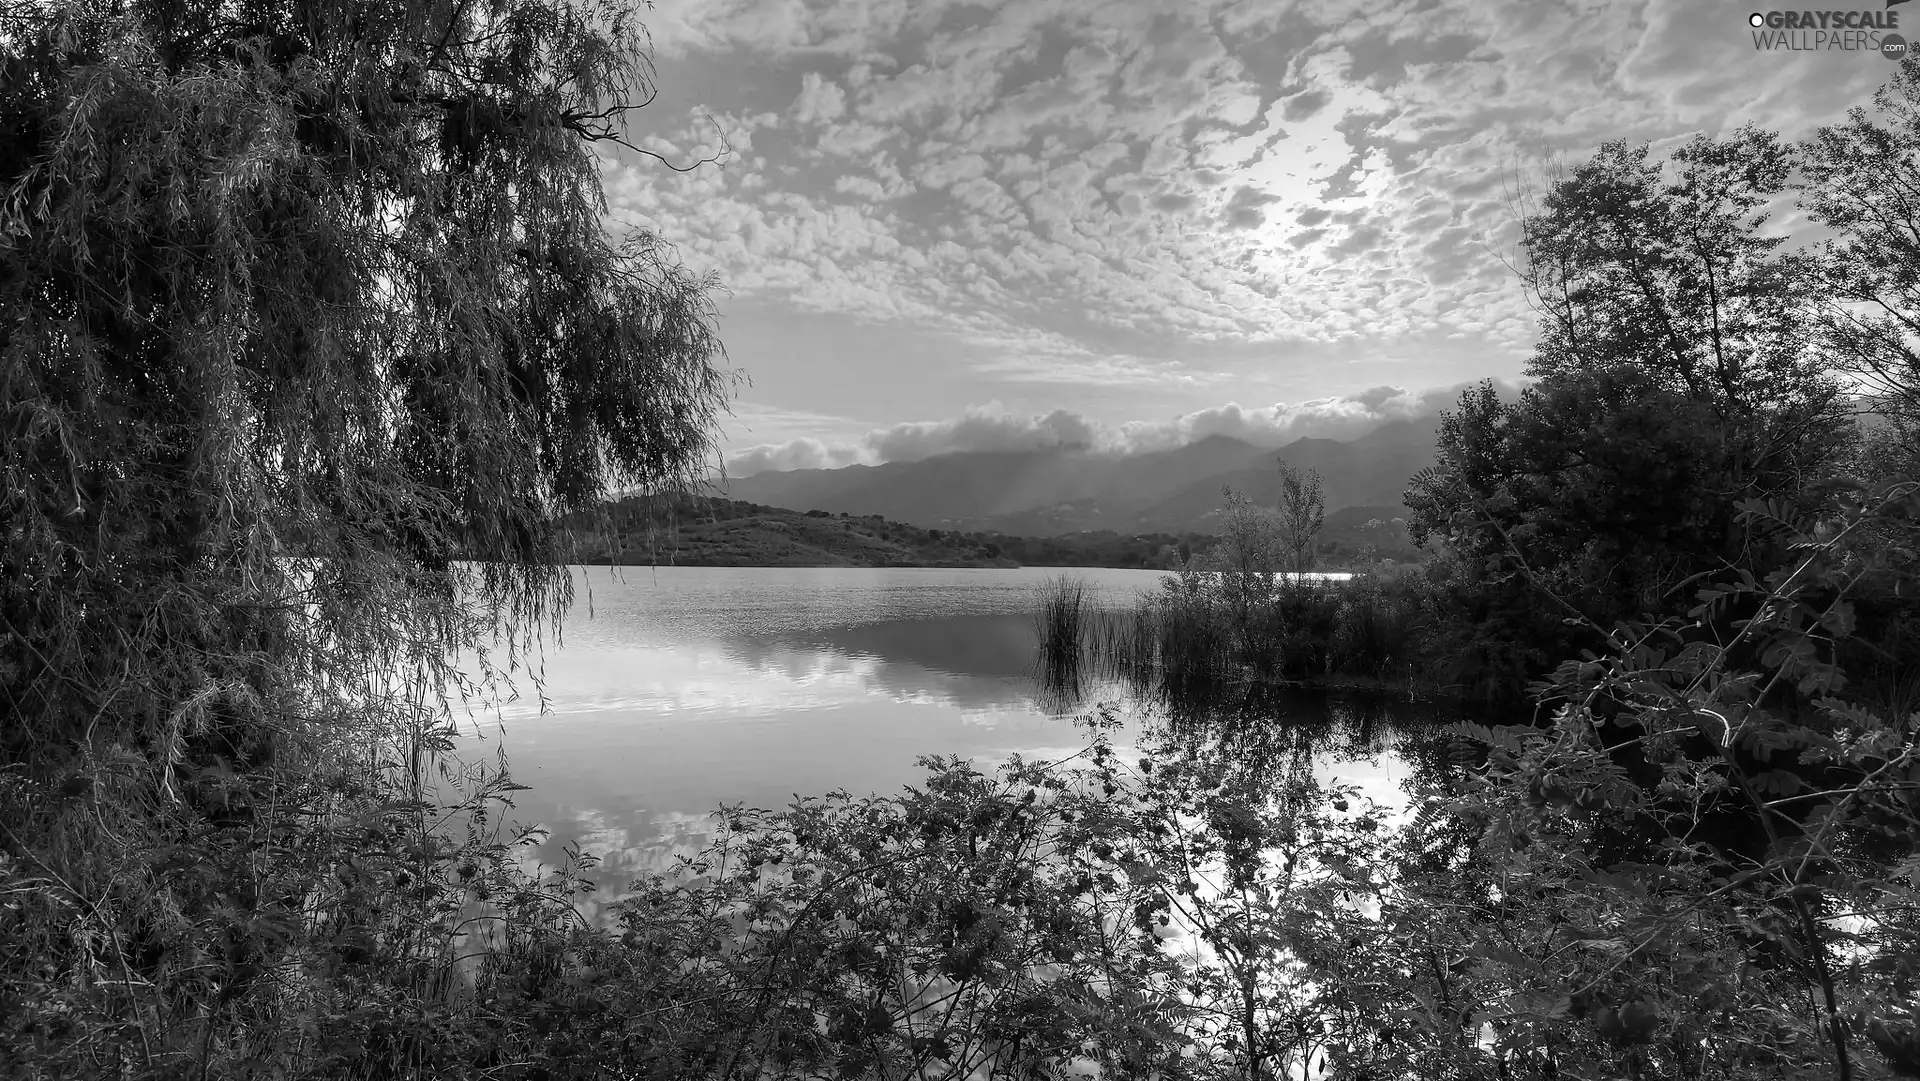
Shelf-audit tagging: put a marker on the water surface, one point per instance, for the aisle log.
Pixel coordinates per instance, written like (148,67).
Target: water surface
(674,690)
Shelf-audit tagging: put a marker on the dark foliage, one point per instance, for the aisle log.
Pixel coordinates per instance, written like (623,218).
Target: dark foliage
(1676,377)
(308,329)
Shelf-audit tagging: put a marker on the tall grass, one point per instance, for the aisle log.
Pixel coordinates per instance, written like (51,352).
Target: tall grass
(1063,624)
(1063,620)
(1203,640)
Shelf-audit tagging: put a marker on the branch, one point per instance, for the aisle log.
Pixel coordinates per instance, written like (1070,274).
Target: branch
(580,125)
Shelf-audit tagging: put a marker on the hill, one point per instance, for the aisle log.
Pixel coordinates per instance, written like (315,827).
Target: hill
(952,489)
(730,533)
(1069,490)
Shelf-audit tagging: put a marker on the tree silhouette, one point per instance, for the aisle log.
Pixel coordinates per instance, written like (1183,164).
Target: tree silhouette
(1303,510)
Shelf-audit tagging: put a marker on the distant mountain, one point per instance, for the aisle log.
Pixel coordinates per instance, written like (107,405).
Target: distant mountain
(980,485)
(1370,471)
(1070,489)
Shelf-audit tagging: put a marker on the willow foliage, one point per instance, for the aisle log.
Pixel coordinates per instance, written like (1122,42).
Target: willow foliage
(309,333)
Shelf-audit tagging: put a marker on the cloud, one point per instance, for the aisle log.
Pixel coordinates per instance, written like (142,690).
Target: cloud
(862,186)
(801,453)
(1244,209)
(988,427)
(1067,186)
(1347,417)
(1303,105)
(820,100)
(993,428)
(945,172)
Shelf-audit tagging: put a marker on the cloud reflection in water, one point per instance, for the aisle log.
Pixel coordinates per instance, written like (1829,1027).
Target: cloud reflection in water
(697,687)
(690,688)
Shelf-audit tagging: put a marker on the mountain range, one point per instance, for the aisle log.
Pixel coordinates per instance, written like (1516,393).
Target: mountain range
(1069,489)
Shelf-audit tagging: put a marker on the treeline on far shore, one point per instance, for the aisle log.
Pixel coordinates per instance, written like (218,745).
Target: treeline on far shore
(714,532)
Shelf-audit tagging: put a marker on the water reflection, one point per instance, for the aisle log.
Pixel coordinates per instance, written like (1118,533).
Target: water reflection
(682,690)
(974,662)
(685,689)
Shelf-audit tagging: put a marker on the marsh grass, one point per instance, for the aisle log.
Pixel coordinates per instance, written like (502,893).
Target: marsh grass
(1065,618)
(1203,640)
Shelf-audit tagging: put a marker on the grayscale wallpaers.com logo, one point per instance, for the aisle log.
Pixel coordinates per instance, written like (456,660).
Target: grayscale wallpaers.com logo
(1830,30)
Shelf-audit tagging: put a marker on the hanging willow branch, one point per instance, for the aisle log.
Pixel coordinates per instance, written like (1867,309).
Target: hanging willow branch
(311,334)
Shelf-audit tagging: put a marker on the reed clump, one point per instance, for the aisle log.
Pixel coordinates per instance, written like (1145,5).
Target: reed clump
(1064,620)
(1203,632)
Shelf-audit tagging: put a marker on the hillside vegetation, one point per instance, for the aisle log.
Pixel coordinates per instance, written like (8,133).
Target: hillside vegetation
(726,533)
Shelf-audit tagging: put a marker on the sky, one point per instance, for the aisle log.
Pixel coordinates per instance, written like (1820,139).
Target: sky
(947,226)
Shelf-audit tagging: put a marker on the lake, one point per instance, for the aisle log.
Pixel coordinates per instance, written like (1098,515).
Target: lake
(676,689)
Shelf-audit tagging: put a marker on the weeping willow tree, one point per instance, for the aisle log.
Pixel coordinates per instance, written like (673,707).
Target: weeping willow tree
(310,334)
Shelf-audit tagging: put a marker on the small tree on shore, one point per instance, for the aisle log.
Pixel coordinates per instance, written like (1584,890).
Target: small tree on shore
(1250,550)
(1303,508)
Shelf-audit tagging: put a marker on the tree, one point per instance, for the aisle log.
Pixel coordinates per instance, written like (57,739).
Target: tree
(1675,277)
(1303,509)
(1725,759)
(1862,180)
(1676,375)
(1611,490)
(1678,280)
(310,331)
(1247,557)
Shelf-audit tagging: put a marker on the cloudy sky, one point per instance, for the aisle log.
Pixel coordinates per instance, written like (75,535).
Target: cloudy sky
(950,225)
